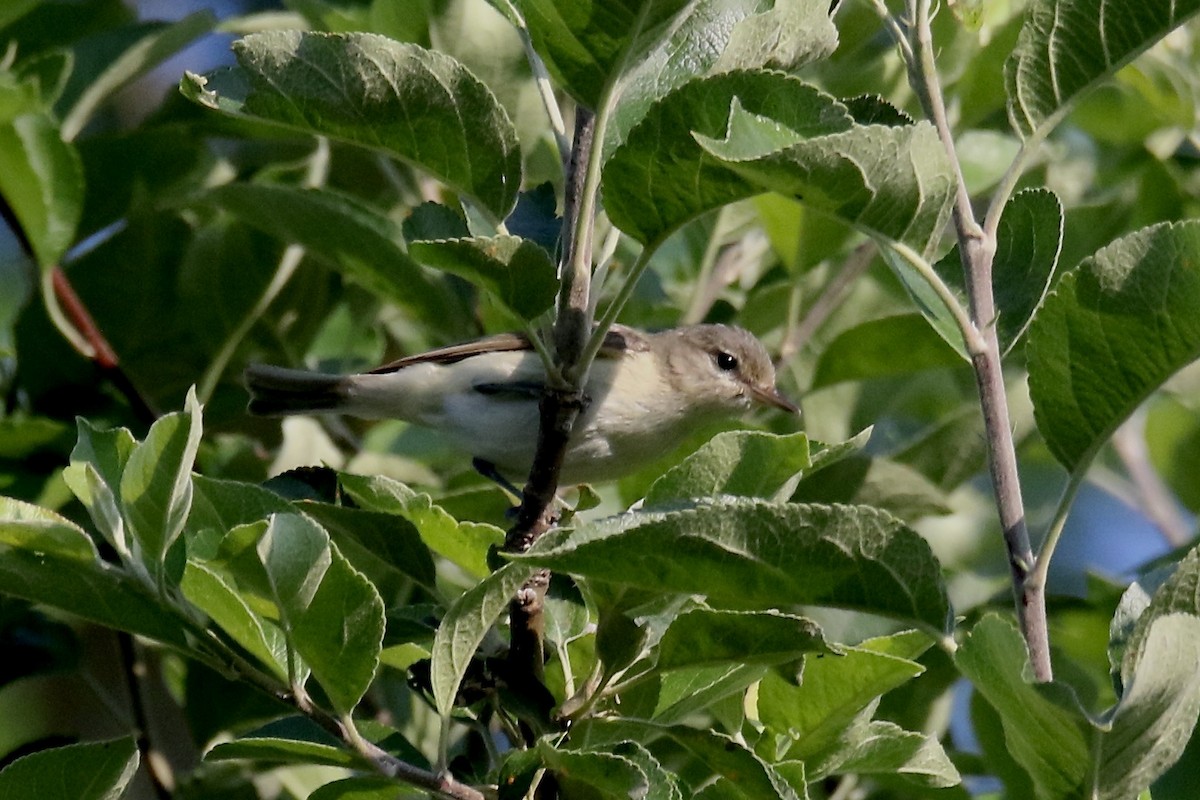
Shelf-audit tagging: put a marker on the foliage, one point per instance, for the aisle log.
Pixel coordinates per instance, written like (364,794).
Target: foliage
(768,613)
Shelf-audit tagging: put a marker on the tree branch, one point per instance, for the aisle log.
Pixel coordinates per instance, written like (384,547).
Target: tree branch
(977,248)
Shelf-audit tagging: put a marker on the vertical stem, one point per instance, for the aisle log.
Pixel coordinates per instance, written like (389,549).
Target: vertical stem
(977,248)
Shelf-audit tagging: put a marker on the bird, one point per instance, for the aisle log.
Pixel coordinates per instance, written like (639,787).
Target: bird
(644,394)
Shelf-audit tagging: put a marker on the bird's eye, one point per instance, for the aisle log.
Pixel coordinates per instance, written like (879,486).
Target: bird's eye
(726,361)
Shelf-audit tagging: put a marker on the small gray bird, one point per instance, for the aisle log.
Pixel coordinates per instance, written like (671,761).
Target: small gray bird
(646,393)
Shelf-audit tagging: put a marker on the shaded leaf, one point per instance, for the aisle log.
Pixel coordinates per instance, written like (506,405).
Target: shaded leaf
(330,613)
(91,590)
(883,347)
(761,555)
(87,771)
(411,103)
(357,238)
(704,636)
(464,543)
(292,740)
(116,58)
(730,759)
(517,271)
(378,544)
(1113,330)
(607,774)
(1067,46)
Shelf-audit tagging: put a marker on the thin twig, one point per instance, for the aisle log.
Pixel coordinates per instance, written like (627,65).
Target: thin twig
(1153,496)
(855,265)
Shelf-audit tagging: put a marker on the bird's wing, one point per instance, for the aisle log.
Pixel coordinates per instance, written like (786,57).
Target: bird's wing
(619,339)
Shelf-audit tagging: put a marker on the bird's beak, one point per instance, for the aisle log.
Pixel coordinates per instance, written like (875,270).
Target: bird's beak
(772,397)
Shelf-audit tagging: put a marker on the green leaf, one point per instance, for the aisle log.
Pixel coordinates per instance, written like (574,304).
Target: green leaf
(762,555)
(387,547)
(156,486)
(206,587)
(606,774)
(1050,742)
(1178,592)
(465,625)
(517,271)
(1113,330)
(684,692)
(834,690)
(713,37)
(361,240)
(39,530)
(330,613)
(586,45)
(365,787)
(94,475)
(92,590)
(887,749)
(704,636)
(1028,241)
(741,463)
(114,59)
(883,347)
(87,771)
(15,9)
(464,543)
(411,103)
(890,181)
(661,177)
(222,505)
(1067,46)
(731,759)
(1154,719)
(292,740)
(41,176)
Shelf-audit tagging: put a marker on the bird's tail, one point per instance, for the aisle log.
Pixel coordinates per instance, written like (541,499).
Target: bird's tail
(278,391)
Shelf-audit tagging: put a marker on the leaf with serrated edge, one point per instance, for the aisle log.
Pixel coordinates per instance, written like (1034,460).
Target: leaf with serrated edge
(464,543)
(85,771)
(888,749)
(517,271)
(411,103)
(210,591)
(742,463)
(660,177)
(330,613)
(763,555)
(834,690)
(705,636)
(1113,330)
(891,181)
(465,625)
(1067,46)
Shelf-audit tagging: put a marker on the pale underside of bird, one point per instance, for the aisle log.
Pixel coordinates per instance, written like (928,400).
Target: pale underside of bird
(644,394)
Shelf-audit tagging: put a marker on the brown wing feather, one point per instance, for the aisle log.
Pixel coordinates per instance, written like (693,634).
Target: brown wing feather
(618,339)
